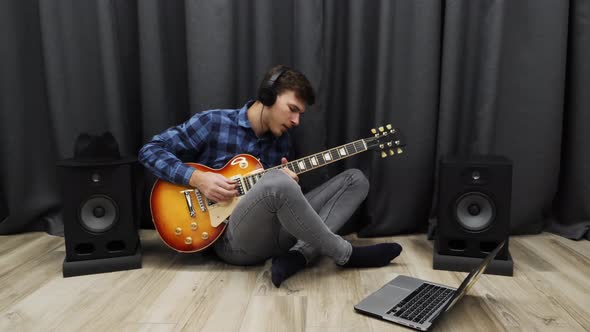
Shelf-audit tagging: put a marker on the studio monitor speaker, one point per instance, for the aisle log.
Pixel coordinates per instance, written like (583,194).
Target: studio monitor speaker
(99,214)
(473,212)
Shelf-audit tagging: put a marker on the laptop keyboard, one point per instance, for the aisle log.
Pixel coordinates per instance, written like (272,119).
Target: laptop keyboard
(423,301)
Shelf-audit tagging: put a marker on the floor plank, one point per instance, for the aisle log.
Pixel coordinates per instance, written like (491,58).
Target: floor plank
(196,292)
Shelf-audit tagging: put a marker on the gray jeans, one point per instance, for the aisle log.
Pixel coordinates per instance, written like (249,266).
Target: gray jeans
(275,216)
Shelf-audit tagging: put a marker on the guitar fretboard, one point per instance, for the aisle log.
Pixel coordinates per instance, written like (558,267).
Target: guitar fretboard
(314,161)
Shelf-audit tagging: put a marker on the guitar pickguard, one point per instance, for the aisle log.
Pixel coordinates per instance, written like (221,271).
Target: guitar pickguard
(219,212)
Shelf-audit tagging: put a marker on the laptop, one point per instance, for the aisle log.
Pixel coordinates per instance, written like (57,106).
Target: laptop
(418,303)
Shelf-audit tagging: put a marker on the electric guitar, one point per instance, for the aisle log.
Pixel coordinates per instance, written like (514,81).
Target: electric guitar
(187,221)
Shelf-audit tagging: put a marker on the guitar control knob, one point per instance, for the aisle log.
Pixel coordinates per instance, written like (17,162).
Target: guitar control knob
(178,230)
(188,240)
(194,226)
(205,236)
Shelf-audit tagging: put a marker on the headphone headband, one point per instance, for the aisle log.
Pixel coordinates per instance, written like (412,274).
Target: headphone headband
(271,81)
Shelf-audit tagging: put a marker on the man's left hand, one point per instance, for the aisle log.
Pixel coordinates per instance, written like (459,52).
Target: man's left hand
(288,171)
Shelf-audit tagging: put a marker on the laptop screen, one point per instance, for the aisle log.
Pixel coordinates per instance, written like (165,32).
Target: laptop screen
(472,277)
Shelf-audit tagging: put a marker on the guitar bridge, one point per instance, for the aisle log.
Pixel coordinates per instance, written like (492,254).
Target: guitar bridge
(189,202)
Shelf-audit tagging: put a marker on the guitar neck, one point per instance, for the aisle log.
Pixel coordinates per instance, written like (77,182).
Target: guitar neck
(386,140)
(324,158)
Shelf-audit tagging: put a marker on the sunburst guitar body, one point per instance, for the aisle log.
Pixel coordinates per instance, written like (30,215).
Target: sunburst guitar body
(188,222)
(185,219)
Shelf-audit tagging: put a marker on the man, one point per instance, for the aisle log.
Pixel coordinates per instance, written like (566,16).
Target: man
(274,219)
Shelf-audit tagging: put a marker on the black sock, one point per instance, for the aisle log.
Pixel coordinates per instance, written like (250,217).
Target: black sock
(373,256)
(285,266)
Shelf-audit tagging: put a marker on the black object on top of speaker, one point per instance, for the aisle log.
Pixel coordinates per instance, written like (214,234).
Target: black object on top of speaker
(473,212)
(99,208)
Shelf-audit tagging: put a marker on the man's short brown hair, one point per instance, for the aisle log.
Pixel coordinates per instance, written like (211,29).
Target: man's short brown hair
(290,79)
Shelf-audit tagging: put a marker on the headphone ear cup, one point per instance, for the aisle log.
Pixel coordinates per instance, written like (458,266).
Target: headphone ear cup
(267,96)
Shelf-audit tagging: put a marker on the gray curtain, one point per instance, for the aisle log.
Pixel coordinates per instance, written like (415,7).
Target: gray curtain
(571,216)
(456,76)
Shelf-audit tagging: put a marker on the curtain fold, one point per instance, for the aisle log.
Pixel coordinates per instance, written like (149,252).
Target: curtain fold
(27,131)
(385,68)
(456,77)
(530,106)
(572,203)
(162,65)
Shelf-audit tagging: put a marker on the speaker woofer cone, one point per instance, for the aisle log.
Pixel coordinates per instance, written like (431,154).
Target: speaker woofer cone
(98,213)
(475,211)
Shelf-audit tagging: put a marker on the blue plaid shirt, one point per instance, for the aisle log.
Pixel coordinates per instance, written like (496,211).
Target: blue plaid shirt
(210,138)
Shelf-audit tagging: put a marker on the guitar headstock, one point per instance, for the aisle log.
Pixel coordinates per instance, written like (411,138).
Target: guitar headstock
(386,139)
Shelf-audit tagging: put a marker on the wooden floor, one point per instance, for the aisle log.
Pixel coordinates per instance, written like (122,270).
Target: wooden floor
(550,291)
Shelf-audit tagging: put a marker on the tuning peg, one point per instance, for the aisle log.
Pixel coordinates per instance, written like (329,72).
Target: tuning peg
(391,153)
(373,130)
(400,151)
(381,129)
(389,144)
(381,146)
(388,127)
(383,154)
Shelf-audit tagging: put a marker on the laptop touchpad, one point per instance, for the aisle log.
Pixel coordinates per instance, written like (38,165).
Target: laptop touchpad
(408,283)
(383,300)
(395,294)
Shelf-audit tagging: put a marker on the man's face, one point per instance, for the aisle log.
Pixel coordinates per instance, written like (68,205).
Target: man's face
(285,112)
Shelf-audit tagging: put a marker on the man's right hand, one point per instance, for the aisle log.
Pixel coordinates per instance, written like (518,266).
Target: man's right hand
(214,186)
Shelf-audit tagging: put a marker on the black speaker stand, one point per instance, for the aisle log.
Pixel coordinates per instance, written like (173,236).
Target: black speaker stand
(102,265)
(466,264)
